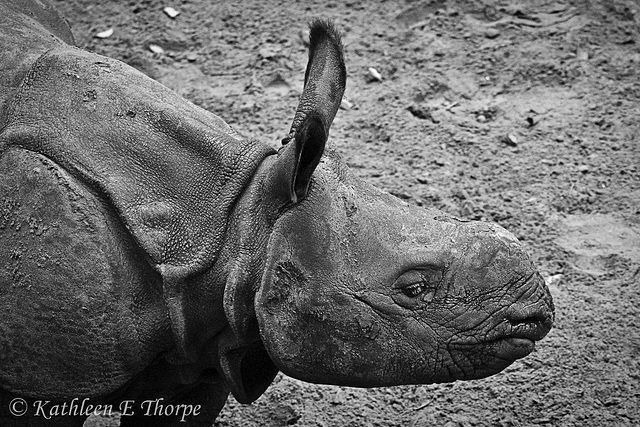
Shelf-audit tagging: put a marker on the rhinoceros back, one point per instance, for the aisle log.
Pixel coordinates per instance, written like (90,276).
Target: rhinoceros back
(27,30)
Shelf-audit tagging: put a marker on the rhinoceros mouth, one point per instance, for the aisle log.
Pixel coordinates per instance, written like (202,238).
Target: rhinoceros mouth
(524,323)
(533,329)
(514,337)
(518,339)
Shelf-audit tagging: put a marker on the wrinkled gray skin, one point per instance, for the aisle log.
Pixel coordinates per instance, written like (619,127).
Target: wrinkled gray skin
(148,251)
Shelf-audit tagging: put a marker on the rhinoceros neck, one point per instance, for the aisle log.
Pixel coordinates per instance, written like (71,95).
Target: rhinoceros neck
(220,317)
(244,253)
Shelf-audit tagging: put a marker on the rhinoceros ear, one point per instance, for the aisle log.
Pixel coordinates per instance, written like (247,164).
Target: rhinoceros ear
(324,84)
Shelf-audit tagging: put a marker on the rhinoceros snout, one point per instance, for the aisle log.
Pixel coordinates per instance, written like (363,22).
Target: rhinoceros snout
(535,307)
(527,320)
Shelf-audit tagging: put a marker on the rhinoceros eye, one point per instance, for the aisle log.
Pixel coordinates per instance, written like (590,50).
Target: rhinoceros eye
(419,283)
(414,290)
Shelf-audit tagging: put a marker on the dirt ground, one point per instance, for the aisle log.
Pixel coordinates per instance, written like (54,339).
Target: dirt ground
(516,111)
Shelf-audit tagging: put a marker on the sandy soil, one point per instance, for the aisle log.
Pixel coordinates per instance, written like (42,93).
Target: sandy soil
(520,112)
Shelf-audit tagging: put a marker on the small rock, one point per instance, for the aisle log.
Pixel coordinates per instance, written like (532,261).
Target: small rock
(191,57)
(345,104)
(491,33)
(373,75)
(171,12)
(481,118)
(510,139)
(156,49)
(105,34)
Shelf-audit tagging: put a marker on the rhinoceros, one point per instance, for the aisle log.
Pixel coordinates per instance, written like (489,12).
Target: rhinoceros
(153,260)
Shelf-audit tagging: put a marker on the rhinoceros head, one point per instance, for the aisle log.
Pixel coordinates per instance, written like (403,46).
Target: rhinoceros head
(360,288)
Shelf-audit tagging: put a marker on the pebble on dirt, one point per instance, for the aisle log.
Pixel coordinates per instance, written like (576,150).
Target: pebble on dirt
(105,34)
(156,49)
(510,139)
(373,75)
(171,12)
(345,104)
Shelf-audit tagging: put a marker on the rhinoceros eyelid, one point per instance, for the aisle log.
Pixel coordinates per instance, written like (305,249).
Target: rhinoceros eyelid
(418,274)
(408,278)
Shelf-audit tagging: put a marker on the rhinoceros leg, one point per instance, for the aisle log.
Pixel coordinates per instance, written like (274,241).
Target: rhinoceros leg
(198,406)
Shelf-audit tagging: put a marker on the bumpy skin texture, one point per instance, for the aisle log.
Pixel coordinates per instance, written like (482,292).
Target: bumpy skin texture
(150,252)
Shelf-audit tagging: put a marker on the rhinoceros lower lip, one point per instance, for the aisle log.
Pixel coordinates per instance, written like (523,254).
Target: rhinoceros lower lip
(517,339)
(512,348)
